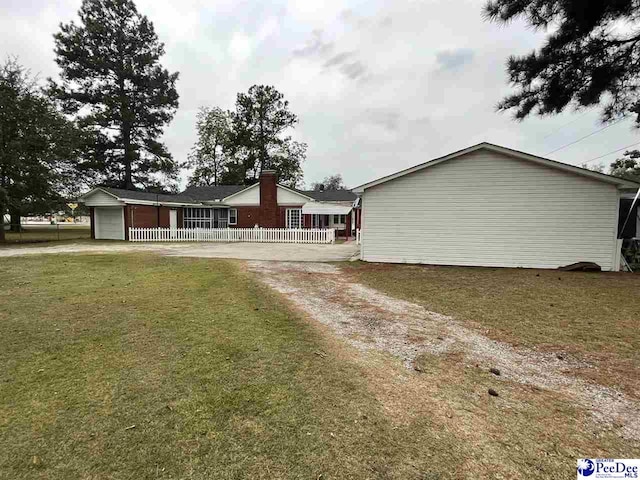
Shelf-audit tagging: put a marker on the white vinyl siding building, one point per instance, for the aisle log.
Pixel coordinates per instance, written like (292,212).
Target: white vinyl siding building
(489,208)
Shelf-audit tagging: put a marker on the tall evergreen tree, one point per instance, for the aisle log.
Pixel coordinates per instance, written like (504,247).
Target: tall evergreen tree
(38,148)
(260,122)
(210,154)
(112,78)
(591,56)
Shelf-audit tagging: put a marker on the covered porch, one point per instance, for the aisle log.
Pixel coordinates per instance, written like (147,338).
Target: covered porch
(320,215)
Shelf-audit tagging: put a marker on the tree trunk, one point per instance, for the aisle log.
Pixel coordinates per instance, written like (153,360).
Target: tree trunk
(14,220)
(2,237)
(128,156)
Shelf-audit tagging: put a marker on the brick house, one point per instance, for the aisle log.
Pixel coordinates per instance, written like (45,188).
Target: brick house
(265,204)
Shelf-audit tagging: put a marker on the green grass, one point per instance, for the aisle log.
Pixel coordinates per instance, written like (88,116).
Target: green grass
(594,315)
(219,377)
(49,233)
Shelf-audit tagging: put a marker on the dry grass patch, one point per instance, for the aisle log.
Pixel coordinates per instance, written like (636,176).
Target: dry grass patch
(431,376)
(594,317)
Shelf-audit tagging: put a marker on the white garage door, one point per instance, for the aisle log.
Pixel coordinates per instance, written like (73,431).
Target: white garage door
(109,223)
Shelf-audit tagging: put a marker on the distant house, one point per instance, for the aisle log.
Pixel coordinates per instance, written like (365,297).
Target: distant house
(492,206)
(264,204)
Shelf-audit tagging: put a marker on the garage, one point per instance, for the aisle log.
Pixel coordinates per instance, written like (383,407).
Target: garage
(109,223)
(492,206)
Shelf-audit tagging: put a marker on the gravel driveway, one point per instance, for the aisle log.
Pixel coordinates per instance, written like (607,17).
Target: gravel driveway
(368,319)
(244,251)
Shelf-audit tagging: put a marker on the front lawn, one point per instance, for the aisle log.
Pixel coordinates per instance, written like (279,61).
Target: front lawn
(150,367)
(147,367)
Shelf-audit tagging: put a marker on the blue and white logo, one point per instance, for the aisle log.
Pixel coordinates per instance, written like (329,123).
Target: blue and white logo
(586,467)
(608,468)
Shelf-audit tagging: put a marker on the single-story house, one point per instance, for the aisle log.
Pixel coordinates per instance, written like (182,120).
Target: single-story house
(492,206)
(264,204)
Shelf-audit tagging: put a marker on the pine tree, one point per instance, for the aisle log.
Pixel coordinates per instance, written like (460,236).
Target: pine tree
(591,56)
(260,121)
(113,80)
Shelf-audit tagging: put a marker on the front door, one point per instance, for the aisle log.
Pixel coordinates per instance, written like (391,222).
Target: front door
(173,219)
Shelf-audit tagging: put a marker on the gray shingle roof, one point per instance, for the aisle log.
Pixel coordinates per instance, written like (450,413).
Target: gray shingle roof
(216,192)
(331,195)
(149,196)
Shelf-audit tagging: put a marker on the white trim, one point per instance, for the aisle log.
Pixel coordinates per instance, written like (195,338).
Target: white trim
(93,190)
(288,218)
(505,151)
(236,215)
(295,192)
(322,208)
(240,191)
(132,201)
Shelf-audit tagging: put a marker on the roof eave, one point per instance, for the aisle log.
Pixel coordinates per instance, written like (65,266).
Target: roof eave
(82,197)
(620,182)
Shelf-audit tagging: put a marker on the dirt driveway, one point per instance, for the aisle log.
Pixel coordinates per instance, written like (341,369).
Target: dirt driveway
(374,322)
(242,251)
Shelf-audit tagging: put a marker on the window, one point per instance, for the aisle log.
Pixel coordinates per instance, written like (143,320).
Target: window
(233,216)
(294,218)
(206,217)
(339,219)
(220,218)
(197,218)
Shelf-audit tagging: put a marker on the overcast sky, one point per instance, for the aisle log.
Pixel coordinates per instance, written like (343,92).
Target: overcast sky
(378,86)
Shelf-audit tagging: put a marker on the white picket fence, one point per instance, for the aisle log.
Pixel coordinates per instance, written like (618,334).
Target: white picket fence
(259,235)
(358,237)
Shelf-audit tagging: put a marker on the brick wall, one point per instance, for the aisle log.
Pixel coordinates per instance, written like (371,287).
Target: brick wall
(248,217)
(147,216)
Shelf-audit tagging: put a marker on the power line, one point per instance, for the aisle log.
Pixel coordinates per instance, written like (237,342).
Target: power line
(614,151)
(586,136)
(565,125)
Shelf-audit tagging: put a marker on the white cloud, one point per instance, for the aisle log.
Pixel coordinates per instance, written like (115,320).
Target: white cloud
(316,13)
(269,27)
(240,47)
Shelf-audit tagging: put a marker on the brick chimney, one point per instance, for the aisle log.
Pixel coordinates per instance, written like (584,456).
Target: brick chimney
(268,199)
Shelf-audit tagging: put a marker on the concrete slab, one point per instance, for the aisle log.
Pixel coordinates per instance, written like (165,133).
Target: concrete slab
(298,252)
